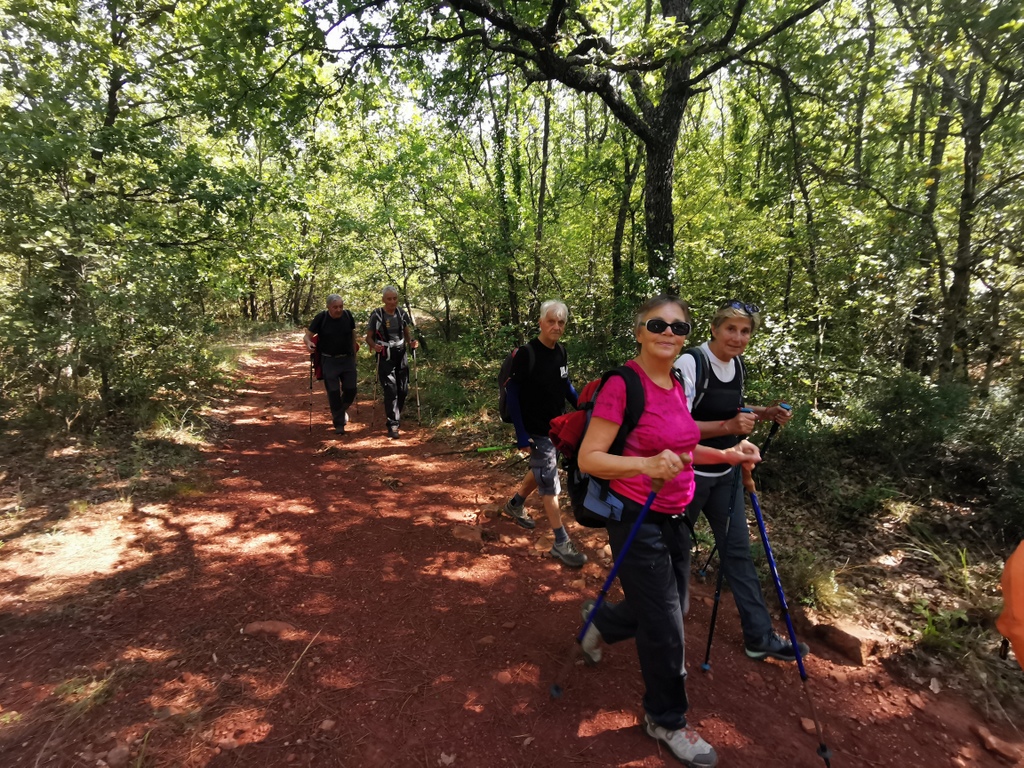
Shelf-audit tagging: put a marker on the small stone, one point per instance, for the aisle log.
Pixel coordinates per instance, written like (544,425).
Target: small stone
(509,625)
(808,725)
(504,677)
(754,680)
(227,744)
(488,640)
(916,702)
(118,756)
(996,745)
(327,725)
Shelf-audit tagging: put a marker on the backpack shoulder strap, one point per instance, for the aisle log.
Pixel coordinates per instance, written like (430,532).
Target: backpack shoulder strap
(635,403)
(702,374)
(318,321)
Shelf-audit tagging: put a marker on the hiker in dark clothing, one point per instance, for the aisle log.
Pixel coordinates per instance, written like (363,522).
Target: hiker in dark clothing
(537,391)
(389,335)
(335,329)
(715,399)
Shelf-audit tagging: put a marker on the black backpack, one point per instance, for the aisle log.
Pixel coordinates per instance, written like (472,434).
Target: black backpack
(578,484)
(505,373)
(702,374)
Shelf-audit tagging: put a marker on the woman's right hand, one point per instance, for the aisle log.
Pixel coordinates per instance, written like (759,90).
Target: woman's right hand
(744,452)
(666,465)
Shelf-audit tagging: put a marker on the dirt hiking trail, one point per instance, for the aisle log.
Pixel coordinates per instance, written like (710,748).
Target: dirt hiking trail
(410,626)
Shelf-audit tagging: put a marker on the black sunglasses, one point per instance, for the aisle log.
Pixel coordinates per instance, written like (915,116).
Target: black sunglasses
(750,309)
(679,327)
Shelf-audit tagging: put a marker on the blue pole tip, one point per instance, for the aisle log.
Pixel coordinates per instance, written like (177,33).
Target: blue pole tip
(556,691)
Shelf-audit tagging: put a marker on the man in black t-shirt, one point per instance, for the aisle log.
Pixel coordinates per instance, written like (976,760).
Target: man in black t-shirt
(536,393)
(335,331)
(389,335)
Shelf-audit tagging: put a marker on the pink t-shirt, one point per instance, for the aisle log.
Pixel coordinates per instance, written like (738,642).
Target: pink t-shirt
(665,423)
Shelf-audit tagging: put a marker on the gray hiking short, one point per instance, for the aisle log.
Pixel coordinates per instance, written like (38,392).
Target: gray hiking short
(544,463)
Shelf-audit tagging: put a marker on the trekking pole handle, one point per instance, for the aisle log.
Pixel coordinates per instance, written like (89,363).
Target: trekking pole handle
(775,424)
(748,479)
(774,430)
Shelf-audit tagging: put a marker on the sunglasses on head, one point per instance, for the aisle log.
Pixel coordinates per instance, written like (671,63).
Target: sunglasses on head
(679,327)
(750,309)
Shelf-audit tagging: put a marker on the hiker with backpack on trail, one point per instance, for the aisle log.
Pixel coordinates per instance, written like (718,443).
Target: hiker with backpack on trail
(654,569)
(536,391)
(332,334)
(389,335)
(713,375)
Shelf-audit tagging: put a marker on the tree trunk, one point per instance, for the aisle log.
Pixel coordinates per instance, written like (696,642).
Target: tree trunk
(630,169)
(659,216)
(954,316)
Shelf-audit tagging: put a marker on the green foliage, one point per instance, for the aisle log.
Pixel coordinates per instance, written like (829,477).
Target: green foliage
(944,630)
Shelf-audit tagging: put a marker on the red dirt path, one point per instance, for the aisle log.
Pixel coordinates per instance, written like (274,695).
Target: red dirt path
(423,645)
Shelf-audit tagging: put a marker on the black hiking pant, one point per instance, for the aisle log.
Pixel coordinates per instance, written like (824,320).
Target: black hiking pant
(393,375)
(655,578)
(340,383)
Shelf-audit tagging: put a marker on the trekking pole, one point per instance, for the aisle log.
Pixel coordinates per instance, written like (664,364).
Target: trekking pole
(706,667)
(702,572)
(484,449)
(556,687)
(311,393)
(748,480)
(416,375)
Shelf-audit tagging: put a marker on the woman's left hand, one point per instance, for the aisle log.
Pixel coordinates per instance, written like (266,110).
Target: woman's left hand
(778,414)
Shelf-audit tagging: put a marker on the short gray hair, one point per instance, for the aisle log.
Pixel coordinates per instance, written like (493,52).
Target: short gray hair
(389,289)
(333,298)
(553,305)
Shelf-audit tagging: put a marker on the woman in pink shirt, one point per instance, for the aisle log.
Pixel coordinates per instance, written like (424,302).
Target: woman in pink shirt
(655,572)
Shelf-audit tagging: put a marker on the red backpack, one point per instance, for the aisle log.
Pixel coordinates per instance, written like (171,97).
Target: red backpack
(588,495)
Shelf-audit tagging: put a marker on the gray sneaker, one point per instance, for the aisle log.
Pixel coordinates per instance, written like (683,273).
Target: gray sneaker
(775,646)
(685,743)
(519,514)
(568,554)
(591,643)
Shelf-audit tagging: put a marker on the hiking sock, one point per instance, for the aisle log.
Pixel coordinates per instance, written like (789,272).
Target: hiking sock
(560,535)
(518,501)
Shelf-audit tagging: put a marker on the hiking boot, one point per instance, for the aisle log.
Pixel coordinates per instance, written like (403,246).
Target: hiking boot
(591,643)
(568,554)
(685,743)
(775,646)
(519,514)
(393,433)
(339,428)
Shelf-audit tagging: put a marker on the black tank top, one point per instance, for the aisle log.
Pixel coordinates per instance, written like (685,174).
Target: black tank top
(721,402)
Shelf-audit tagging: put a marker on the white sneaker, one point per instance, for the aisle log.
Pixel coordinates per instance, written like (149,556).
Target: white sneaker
(685,743)
(591,643)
